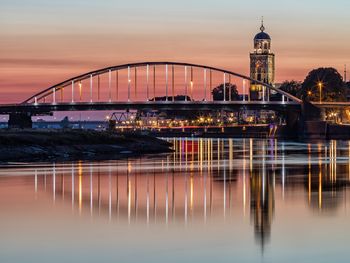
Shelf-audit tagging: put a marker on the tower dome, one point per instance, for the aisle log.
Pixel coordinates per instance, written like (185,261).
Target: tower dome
(262,40)
(262,35)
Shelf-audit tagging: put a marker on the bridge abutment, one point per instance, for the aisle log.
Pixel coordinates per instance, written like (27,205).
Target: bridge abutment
(311,112)
(307,123)
(312,124)
(20,121)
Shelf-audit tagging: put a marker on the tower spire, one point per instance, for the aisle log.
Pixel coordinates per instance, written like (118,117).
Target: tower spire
(262,28)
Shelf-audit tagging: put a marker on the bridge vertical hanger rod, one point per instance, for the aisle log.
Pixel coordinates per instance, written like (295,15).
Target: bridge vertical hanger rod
(72,91)
(117,85)
(166,82)
(249,92)
(147,80)
(110,85)
(80,91)
(263,93)
(35,101)
(54,95)
(173,81)
(135,82)
(192,84)
(154,82)
(224,86)
(129,84)
(185,83)
(91,83)
(244,89)
(205,84)
(62,89)
(210,80)
(230,90)
(192,98)
(98,87)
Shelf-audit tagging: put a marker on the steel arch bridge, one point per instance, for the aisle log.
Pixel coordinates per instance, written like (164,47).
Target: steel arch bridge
(150,71)
(151,86)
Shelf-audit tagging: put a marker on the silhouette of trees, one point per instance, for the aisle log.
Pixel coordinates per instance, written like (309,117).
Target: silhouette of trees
(332,86)
(292,87)
(231,92)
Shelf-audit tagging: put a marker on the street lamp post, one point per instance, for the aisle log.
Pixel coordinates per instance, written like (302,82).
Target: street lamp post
(320,85)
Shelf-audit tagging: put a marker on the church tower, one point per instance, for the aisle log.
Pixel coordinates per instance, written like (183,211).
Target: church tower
(262,65)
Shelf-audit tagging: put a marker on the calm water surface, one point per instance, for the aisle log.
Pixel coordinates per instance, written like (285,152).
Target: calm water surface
(209,201)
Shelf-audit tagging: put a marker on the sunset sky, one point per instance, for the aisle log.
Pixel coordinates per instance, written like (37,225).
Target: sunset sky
(44,42)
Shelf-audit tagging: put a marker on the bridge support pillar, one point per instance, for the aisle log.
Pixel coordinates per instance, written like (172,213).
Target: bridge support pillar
(112,124)
(311,112)
(306,123)
(312,122)
(20,121)
(293,120)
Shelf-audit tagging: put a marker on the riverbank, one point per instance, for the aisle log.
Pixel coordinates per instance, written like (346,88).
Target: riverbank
(238,132)
(312,130)
(31,145)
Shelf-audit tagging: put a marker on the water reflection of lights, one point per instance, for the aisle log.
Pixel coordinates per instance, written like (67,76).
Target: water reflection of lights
(349,160)
(328,176)
(80,186)
(201,184)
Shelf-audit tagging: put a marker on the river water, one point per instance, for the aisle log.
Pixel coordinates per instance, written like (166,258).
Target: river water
(212,200)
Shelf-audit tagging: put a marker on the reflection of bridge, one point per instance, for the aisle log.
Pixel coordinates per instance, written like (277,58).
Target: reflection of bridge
(140,86)
(203,181)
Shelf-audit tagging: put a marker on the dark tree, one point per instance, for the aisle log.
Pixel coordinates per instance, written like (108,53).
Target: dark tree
(292,87)
(231,90)
(332,86)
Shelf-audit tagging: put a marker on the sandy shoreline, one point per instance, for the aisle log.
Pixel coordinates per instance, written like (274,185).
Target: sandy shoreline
(48,146)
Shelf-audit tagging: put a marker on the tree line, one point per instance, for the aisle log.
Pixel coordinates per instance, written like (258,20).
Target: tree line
(325,84)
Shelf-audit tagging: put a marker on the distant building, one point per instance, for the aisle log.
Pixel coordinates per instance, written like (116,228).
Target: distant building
(262,65)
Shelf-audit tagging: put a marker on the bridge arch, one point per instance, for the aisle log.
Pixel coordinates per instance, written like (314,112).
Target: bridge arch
(51,91)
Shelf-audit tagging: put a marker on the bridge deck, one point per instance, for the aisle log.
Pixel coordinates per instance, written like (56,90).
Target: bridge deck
(43,108)
(332,105)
